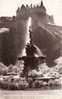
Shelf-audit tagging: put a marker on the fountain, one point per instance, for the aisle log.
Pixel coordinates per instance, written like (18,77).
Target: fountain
(31,55)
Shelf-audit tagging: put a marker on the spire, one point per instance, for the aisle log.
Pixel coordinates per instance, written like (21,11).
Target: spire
(41,3)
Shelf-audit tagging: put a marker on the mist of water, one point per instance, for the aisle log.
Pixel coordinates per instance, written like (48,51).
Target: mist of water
(28,25)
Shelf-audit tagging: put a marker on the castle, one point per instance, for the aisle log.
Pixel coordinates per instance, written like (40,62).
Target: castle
(34,12)
(45,34)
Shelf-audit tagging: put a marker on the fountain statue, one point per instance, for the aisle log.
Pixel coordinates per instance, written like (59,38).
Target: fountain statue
(33,56)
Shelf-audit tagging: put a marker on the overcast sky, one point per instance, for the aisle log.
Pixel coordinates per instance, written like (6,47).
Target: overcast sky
(9,7)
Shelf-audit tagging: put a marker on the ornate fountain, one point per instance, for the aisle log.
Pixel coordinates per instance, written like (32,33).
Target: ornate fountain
(32,55)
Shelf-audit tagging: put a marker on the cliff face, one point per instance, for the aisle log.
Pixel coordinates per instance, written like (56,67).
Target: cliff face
(48,42)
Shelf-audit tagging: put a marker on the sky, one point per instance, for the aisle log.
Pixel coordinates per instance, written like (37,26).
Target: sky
(54,7)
